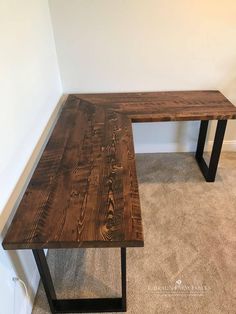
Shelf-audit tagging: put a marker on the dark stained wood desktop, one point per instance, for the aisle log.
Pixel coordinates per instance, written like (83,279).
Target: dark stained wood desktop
(84,191)
(166,106)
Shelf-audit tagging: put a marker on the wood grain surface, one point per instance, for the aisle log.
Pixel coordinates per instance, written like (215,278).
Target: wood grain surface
(84,191)
(167,106)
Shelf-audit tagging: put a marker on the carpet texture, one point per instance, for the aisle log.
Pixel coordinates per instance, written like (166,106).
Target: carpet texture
(188,263)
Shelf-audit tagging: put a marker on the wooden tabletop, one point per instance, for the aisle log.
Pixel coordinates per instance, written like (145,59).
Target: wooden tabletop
(166,106)
(84,191)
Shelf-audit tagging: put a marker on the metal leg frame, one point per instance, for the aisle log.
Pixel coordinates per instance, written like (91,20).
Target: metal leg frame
(80,305)
(209,172)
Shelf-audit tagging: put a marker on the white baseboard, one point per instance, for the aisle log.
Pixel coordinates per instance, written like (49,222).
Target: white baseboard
(228,146)
(179,147)
(28,303)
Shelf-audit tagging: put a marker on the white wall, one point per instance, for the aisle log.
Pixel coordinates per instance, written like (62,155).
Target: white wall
(30,88)
(151,45)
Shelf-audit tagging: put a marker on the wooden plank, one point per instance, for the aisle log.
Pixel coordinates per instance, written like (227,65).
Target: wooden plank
(119,211)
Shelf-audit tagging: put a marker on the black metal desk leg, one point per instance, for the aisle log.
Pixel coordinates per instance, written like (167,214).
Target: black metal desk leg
(123,278)
(209,172)
(45,277)
(201,138)
(80,305)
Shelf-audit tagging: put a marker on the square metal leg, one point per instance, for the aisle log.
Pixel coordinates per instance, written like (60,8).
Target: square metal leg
(209,172)
(80,305)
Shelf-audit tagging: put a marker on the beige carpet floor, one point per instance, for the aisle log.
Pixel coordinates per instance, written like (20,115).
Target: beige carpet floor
(188,263)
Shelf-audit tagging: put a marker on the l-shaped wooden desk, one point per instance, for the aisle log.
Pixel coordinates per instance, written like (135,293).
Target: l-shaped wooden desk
(84,191)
